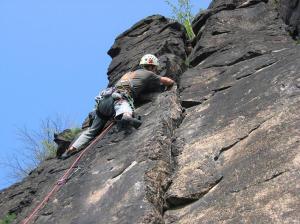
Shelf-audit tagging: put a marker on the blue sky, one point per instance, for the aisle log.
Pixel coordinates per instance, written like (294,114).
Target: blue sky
(53,59)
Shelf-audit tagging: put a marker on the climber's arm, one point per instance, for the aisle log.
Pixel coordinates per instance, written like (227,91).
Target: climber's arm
(166,81)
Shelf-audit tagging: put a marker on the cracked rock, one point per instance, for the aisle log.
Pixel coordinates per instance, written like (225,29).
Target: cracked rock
(231,155)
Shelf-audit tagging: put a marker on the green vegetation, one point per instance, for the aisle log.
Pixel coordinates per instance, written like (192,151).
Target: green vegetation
(72,134)
(298,41)
(9,218)
(275,4)
(183,14)
(37,146)
(40,143)
(48,146)
(187,62)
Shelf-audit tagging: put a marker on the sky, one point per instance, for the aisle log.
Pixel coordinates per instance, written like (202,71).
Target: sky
(53,60)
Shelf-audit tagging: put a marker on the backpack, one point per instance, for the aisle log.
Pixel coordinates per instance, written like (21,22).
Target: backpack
(105,104)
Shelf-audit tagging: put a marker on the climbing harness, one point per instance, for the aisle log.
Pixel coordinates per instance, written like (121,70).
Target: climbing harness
(125,87)
(127,97)
(108,97)
(66,176)
(105,103)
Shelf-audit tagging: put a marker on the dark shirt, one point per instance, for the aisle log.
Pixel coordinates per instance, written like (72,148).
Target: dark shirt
(139,81)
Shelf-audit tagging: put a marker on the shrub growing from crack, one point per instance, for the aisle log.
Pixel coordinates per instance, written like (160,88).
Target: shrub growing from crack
(37,146)
(183,14)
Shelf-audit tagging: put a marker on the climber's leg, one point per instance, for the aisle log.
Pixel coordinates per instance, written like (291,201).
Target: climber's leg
(86,136)
(124,114)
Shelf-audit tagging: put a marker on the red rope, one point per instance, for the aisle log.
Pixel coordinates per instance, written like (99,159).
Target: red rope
(63,179)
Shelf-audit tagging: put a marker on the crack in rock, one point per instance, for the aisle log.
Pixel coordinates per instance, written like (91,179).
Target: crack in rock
(201,57)
(52,171)
(226,148)
(274,176)
(16,194)
(220,89)
(158,178)
(247,56)
(189,103)
(124,170)
(257,70)
(96,196)
(176,202)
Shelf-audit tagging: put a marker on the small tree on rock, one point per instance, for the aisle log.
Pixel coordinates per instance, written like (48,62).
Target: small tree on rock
(182,12)
(37,146)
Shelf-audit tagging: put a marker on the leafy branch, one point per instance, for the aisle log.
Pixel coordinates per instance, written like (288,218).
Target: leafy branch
(183,14)
(37,146)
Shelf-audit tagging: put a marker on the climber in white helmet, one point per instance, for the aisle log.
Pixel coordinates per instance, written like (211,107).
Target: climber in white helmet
(133,84)
(120,100)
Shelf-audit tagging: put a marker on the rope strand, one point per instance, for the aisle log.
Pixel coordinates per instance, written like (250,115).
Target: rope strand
(64,178)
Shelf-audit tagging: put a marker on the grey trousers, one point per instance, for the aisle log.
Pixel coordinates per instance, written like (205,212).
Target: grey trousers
(91,132)
(121,106)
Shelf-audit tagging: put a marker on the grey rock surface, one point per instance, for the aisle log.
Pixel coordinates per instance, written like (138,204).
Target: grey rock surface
(122,179)
(238,145)
(290,12)
(154,35)
(222,147)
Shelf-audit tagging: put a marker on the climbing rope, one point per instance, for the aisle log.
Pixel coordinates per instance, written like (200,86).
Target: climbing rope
(65,177)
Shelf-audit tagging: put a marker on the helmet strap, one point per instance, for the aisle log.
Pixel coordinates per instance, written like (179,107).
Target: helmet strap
(151,68)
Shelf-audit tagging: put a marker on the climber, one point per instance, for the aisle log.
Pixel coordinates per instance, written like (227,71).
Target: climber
(118,101)
(133,84)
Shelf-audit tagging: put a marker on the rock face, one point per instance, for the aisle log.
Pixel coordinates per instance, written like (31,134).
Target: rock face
(238,146)
(155,34)
(124,177)
(222,147)
(290,12)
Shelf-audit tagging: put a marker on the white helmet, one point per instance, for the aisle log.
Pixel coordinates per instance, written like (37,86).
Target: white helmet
(149,59)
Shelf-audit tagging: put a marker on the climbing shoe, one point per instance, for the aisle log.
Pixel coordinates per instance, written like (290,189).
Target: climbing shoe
(67,154)
(130,121)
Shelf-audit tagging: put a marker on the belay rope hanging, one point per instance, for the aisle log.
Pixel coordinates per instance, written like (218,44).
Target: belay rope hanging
(65,177)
